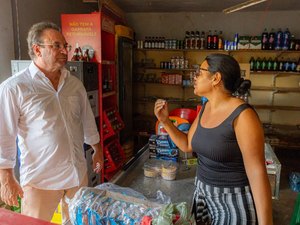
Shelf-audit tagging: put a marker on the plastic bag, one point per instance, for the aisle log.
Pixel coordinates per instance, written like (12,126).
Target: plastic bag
(294,178)
(173,214)
(111,204)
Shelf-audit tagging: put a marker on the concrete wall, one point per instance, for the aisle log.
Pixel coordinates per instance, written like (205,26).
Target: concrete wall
(6,39)
(20,15)
(174,25)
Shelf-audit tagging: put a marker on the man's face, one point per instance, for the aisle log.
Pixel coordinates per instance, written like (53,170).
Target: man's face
(52,52)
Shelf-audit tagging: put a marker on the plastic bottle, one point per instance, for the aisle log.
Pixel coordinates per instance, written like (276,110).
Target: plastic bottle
(187,40)
(279,40)
(292,43)
(202,40)
(192,40)
(209,40)
(264,64)
(270,64)
(215,40)
(271,40)
(252,63)
(275,64)
(220,41)
(286,39)
(264,39)
(258,64)
(236,41)
(197,40)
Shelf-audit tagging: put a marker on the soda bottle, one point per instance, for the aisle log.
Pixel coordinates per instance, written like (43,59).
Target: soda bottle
(264,64)
(281,65)
(271,40)
(252,63)
(275,64)
(192,40)
(209,40)
(270,64)
(292,43)
(286,39)
(202,40)
(220,41)
(298,66)
(279,40)
(286,65)
(197,40)
(293,65)
(264,39)
(258,64)
(187,40)
(236,41)
(215,40)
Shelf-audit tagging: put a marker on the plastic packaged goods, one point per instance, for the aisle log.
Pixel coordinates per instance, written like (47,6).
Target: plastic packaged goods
(294,179)
(109,204)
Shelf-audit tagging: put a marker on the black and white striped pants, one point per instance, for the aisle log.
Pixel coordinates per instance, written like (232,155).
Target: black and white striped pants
(223,206)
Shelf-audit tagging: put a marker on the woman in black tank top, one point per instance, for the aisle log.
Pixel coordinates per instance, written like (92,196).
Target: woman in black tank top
(232,185)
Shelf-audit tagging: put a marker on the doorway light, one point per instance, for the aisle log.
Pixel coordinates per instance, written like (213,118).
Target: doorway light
(242,5)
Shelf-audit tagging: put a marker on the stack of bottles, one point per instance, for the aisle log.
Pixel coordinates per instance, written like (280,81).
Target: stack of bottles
(287,65)
(279,40)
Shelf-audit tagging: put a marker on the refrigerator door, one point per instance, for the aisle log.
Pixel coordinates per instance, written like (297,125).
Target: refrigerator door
(125,58)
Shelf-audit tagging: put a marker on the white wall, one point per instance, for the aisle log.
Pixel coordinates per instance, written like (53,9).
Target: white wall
(174,25)
(6,39)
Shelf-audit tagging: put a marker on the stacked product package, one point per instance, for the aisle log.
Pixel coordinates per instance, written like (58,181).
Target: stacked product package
(162,147)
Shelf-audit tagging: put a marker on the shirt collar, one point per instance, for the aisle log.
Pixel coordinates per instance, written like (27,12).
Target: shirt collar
(34,70)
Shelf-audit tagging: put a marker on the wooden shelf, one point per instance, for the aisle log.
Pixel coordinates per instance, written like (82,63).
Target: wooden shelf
(274,72)
(165,69)
(275,89)
(274,108)
(217,50)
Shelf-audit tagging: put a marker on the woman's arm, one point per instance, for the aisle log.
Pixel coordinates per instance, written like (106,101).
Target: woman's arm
(250,137)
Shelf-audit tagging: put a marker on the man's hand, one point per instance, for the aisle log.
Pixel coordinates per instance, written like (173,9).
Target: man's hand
(98,160)
(10,189)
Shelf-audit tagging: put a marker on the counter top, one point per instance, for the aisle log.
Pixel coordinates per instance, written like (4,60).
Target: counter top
(180,190)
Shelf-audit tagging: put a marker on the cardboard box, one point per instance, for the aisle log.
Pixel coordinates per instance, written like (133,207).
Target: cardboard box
(244,42)
(255,42)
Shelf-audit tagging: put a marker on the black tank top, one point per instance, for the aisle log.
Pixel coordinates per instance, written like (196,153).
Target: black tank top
(220,161)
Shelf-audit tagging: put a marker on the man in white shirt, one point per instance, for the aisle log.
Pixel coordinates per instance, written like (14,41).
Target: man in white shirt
(47,109)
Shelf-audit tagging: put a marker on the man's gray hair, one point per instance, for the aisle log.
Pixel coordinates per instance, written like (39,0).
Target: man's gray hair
(35,33)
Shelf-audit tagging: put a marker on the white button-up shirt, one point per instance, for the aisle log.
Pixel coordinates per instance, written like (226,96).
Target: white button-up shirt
(51,127)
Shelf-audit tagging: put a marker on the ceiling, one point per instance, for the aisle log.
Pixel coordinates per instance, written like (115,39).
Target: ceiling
(202,5)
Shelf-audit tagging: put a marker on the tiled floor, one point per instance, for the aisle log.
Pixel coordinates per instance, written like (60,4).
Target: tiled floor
(283,207)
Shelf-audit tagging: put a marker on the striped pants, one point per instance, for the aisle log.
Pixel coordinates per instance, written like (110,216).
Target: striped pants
(223,206)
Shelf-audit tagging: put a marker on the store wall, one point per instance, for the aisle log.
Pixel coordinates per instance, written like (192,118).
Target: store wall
(174,25)
(21,14)
(6,39)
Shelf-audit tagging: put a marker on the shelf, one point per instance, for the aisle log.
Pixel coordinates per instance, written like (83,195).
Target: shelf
(107,62)
(274,108)
(107,94)
(275,89)
(224,51)
(165,69)
(274,72)
(170,101)
(156,83)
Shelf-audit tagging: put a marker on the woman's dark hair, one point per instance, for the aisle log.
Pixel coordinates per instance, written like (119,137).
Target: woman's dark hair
(230,71)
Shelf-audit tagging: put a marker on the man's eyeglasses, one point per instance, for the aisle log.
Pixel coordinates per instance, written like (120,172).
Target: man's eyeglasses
(58,46)
(199,72)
